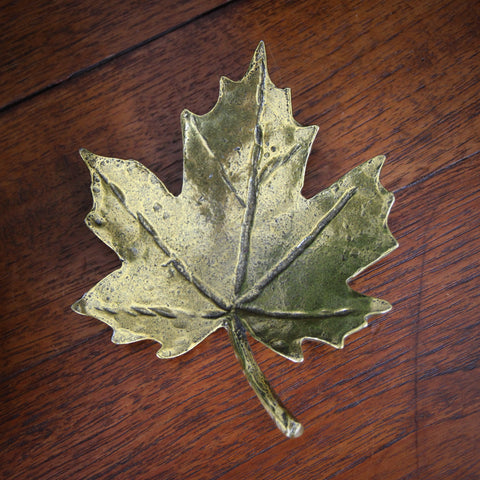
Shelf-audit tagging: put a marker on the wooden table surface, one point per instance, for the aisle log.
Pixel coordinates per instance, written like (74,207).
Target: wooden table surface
(401,400)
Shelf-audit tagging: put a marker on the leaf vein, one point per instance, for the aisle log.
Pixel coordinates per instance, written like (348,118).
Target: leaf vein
(179,265)
(252,186)
(223,173)
(269,169)
(343,312)
(296,251)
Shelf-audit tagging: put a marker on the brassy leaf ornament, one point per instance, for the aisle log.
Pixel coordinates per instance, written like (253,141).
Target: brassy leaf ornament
(239,247)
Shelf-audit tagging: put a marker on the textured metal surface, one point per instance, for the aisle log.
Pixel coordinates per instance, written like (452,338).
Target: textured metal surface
(240,247)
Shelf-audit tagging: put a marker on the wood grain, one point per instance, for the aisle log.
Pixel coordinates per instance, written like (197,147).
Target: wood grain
(401,401)
(47,42)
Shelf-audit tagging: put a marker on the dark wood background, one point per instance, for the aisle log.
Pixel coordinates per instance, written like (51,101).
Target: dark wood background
(401,401)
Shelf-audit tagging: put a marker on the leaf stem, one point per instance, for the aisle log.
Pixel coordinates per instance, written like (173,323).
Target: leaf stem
(272,404)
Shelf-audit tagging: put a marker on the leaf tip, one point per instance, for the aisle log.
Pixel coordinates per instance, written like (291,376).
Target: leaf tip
(377,162)
(186,114)
(162,353)
(88,157)
(186,118)
(79,306)
(292,351)
(379,306)
(260,52)
(117,337)
(225,84)
(259,57)
(166,353)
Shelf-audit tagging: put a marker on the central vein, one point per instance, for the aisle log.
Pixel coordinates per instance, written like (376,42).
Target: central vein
(257,152)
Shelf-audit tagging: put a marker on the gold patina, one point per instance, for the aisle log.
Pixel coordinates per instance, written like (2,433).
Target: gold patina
(239,247)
